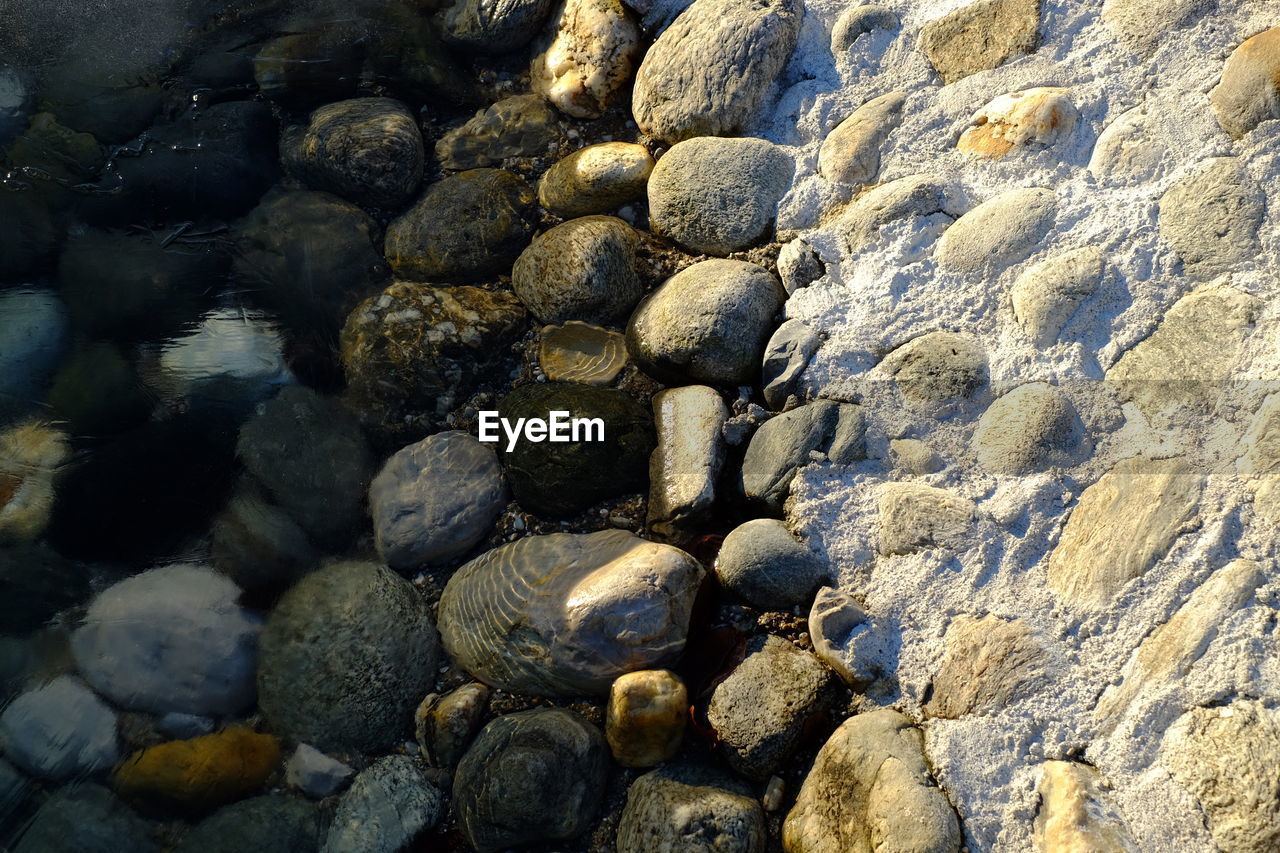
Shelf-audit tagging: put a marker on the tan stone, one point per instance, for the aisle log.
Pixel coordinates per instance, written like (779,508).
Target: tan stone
(596,179)
(1249,91)
(851,153)
(915,517)
(1032,118)
(1075,815)
(444,725)
(989,662)
(646,715)
(586,57)
(581,352)
(980,36)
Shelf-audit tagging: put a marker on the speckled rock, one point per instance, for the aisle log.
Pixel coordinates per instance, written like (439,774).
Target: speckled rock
(388,805)
(936,370)
(762,563)
(691,809)
(851,153)
(858,21)
(988,664)
(583,270)
(716,196)
(915,517)
(1045,296)
(530,776)
(915,196)
(1029,120)
(596,179)
(980,36)
(799,265)
(269,822)
(785,444)
(85,819)
(60,731)
(1248,93)
(519,126)
(1000,232)
(645,718)
(786,356)
(526,640)
(1146,23)
(199,774)
(685,466)
(581,352)
(585,57)
(444,725)
(314,773)
(493,26)
(1076,812)
(1029,429)
(1211,218)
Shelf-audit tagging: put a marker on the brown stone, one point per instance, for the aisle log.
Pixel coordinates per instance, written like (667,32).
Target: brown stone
(646,717)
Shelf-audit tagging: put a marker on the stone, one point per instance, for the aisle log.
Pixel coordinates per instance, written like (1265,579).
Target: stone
(915,456)
(630,600)
(561,479)
(1032,119)
(858,21)
(466,226)
(314,59)
(389,804)
(179,726)
(268,822)
(715,196)
(763,564)
(1000,232)
(314,773)
(988,664)
(584,269)
(1145,24)
(1045,295)
(519,126)
(980,36)
(493,26)
(915,517)
(366,150)
(60,731)
(708,73)
(31,456)
(345,656)
(915,196)
(170,639)
(759,712)
(435,500)
(691,809)
(1261,443)
(685,465)
(870,789)
(96,391)
(1121,526)
(257,544)
(851,153)
(585,57)
(937,370)
(799,265)
(847,638)
(530,776)
(202,773)
(1029,429)
(36,583)
(646,716)
(581,352)
(1247,94)
(596,179)
(786,356)
(786,443)
(1131,148)
(1211,218)
(1076,814)
(33,325)
(1183,365)
(708,324)
(445,725)
(85,818)
(1224,757)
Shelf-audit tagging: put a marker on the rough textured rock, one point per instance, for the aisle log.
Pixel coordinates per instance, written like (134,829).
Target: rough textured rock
(915,456)
(314,773)
(60,731)
(1120,527)
(582,270)
(581,352)
(630,607)
(645,717)
(915,517)
(870,789)
(707,323)
(596,179)
(980,36)
(519,126)
(799,265)
(709,72)
(31,457)
(1027,430)
(1248,93)
(851,153)
(493,26)
(988,664)
(585,58)
(847,638)
(1000,232)
(1211,218)
(85,819)
(860,20)
(690,809)
(762,563)
(444,725)
(786,356)
(388,805)
(1032,119)
(1076,815)
(1046,295)
(345,656)
(685,465)
(269,822)
(936,370)
(199,774)
(913,196)
(1130,149)
(530,776)
(785,444)
(434,500)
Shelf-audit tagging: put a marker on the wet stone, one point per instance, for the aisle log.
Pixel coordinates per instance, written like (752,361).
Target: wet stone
(692,809)
(493,26)
(35,584)
(645,718)
(257,544)
(519,126)
(314,773)
(584,269)
(387,806)
(60,731)
(85,818)
(444,725)
(200,774)
(96,391)
(763,564)
(31,457)
(581,352)
(596,179)
(33,324)
(269,822)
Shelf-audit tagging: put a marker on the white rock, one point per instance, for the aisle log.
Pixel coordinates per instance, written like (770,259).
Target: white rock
(1046,295)
(1031,119)
(1075,815)
(314,773)
(60,731)
(587,57)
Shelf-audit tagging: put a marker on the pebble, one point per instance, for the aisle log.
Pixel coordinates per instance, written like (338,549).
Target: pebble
(1029,429)
(434,500)
(715,196)
(31,456)
(1000,232)
(1045,295)
(518,126)
(596,179)
(1145,23)
(585,57)
(581,352)
(707,74)
(857,21)
(314,773)
(202,773)
(1130,149)
(915,517)
(937,370)
(686,465)
(268,822)
(85,818)
(486,26)
(763,564)
(786,443)
(257,544)
(582,270)
(847,638)
(389,804)
(33,325)
(60,731)
(919,196)
(799,265)
(915,456)
(444,725)
(691,809)
(1076,812)
(645,717)
(987,665)
(786,356)
(851,153)
(980,36)
(706,324)
(526,640)
(1032,119)
(1248,93)
(1212,217)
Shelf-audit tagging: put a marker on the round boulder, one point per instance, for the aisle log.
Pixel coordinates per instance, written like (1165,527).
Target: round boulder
(691,809)
(596,179)
(60,731)
(762,563)
(581,270)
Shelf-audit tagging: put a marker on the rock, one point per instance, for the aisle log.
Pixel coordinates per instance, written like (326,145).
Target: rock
(583,270)
(33,325)
(581,352)
(416,352)
(1120,527)
(493,26)
(257,544)
(786,356)
(16,93)
(35,584)
(585,56)
(851,153)
(97,392)
(314,773)
(915,517)
(434,500)
(269,822)
(1224,757)
(1247,94)
(366,150)
(1075,814)
(312,60)
(1029,429)
(465,226)
(562,478)
(691,809)
(937,370)
(645,718)
(1146,24)
(389,804)
(1261,443)
(913,196)
(915,457)
(345,656)
(799,265)
(1000,232)
(708,323)
(786,443)
(980,36)
(631,603)
(1131,149)
(31,455)
(85,819)
(596,179)
(708,73)
(857,21)
(760,710)
(519,126)
(847,638)
(1033,119)
(445,725)
(1211,218)
(715,196)
(202,773)
(685,466)
(1045,295)
(763,564)
(184,726)
(989,663)
(530,776)
(170,639)
(60,732)
(1185,362)
(870,789)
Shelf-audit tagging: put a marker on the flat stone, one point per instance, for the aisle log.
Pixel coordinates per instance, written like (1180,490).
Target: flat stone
(493,26)
(786,443)
(645,717)
(1076,813)
(1000,232)
(980,36)
(1211,218)
(685,466)
(691,809)
(847,638)
(596,179)
(915,517)
(922,196)
(581,352)
(1030,120)
(989,663)
(444,725)
(314,773)
(1130,149)
(388,805)
(786,356)
(60,731)
(857,21)
(584,269)
(519,126)
(1248,93)
(763,564)
(585,57)
(851,153)
(936,370)
(1045,295)
(799,265)
(1029,429)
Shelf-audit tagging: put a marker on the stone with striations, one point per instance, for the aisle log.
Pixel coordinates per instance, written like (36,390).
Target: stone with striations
(1045,295)
(1249,91)
(785,444)
(389,804)
(645,717)
(596,179)
(584,269)
(980,36)
(585,57)
(581,352)
(763,564)
(685,466)
(60,731)
(988,664)
(1027,430)
(1076,814)
(519,126)
(691,809)
(915,517)
(1211,218)
(851,153)
(1000,232)
(1029,120)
